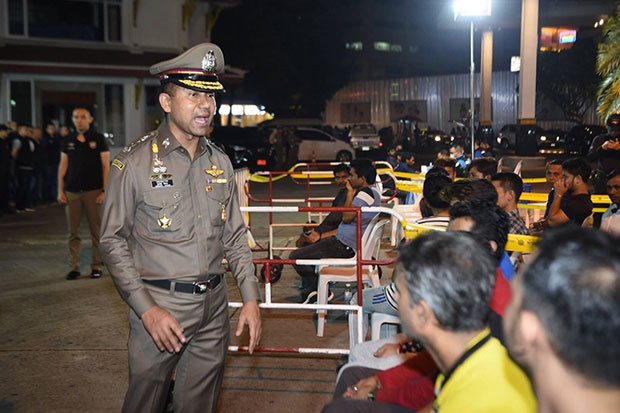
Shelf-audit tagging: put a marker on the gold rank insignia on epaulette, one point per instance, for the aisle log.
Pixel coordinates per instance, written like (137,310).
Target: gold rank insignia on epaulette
(140,141)
(120,165)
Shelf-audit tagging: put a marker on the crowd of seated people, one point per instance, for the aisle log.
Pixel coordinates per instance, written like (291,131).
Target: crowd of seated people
(477,337)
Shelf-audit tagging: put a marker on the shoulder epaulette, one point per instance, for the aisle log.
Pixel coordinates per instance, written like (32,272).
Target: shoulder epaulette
(138,142)
(215,146)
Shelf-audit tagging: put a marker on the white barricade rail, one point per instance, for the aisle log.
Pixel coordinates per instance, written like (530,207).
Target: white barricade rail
(293,306)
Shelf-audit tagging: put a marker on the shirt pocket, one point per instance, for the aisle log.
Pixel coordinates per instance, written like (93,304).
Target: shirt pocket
(217,202)
(164,210)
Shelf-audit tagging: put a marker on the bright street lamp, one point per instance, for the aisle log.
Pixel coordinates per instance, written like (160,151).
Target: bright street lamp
(471,9)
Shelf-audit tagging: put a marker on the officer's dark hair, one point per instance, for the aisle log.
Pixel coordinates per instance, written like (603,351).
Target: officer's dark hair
(470,190)
(578,167)
(48,123)
(457,145)
(364,168)
(613,174)
(168,88)
(509,181)
(342,167)
(486,166)
(407,155)
(573,287)
(433,184)
(555,162)
(490,222)
(442,163)
(454,273)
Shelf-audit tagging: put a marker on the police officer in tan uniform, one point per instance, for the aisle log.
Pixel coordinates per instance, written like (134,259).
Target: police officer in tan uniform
(170,215)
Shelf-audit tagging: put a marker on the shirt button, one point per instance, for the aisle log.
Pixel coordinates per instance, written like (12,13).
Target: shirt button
(199,216)
(204,243)
(205,268)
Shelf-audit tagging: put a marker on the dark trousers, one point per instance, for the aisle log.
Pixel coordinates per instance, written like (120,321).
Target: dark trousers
(24,198)
(325,248)
(349,378)
(4,190)
(50,182)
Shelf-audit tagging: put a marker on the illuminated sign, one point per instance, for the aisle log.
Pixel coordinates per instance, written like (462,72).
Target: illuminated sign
(569,36)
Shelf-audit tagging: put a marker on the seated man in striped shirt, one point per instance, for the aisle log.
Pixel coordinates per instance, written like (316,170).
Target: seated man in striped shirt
(361,192)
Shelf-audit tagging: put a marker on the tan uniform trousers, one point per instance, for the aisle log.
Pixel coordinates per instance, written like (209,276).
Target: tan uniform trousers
(200,364)
(77,204)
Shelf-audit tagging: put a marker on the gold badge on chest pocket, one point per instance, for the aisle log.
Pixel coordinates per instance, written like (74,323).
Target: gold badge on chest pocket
(164,221)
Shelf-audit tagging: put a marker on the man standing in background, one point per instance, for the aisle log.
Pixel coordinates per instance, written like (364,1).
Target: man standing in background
(51,158)
(82,177)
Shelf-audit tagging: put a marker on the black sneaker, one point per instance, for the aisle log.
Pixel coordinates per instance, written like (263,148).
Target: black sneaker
(72,275)
(96,273)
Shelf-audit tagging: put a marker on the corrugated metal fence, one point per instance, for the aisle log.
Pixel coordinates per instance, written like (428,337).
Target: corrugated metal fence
(436,94)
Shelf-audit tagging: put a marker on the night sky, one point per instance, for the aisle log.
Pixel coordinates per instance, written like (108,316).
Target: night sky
(295,50)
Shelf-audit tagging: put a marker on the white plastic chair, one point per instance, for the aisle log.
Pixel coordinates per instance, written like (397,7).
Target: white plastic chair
(371,245)
(518,168)
(377,320)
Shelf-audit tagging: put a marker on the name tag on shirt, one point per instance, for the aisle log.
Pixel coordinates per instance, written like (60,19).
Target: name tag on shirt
(163,183)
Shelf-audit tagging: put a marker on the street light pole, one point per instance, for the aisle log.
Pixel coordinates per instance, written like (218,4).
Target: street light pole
(471,9)
(472,99)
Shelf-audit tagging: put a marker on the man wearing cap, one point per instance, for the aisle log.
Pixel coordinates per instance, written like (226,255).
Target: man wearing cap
(605,150)
(170,215)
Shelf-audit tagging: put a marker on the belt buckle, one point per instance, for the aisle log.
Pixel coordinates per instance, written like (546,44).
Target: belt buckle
(200,288)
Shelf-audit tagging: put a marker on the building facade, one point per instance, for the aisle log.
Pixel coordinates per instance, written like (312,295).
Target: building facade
(56,55)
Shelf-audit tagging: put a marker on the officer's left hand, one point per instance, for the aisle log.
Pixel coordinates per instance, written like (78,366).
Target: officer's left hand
(100,197)
(250,315)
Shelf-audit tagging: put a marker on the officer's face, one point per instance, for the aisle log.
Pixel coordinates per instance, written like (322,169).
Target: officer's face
(190,112)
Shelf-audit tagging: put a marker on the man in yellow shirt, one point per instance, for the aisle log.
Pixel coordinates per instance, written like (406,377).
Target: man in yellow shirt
(563,323)
(443,302)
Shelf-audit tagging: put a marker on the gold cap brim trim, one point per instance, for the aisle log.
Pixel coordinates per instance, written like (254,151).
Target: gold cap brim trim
(202,84)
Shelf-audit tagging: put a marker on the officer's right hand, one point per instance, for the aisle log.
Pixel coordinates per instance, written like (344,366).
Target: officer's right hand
(165,330)
(62,197)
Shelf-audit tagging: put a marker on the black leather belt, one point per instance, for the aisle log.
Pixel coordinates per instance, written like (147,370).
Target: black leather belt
(190,288)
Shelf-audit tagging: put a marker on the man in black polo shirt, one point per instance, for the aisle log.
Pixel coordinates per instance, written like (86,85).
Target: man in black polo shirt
(82,176)
(571,202)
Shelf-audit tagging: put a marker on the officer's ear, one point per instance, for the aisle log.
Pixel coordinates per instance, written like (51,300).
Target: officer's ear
(164,101)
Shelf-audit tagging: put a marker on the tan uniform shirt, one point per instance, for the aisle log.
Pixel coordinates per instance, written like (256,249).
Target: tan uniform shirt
(156,226)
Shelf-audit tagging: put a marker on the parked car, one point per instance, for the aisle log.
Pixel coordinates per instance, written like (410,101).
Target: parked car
(315,144)
(364,137)
(507,137)
(245,147)
(579,138)
(551,141)
(435,139)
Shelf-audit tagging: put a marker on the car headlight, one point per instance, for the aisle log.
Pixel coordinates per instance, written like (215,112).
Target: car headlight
(543,138)
(437,138)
